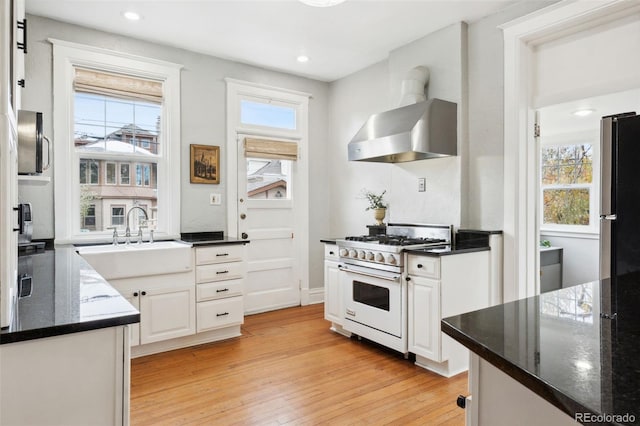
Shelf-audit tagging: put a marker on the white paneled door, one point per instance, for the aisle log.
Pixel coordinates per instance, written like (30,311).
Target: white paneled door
(266,217)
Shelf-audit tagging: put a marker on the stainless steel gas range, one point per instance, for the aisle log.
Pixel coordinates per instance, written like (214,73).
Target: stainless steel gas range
(371,275)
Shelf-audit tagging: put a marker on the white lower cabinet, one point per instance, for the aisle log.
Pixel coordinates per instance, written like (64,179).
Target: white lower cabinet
(333,294)
(424,310)
(219,287)
(167,313)
(73,379)
(439,287)
(167,305)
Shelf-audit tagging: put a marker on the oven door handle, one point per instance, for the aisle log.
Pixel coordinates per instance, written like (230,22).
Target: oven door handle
(359,272)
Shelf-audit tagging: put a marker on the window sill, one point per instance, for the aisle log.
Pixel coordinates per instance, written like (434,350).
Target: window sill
(585,235)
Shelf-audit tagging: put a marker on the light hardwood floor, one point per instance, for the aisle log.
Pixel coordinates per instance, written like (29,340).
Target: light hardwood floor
(288,368)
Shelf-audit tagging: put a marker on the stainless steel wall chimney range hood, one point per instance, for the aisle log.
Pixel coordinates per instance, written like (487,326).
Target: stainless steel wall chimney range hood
(419,131)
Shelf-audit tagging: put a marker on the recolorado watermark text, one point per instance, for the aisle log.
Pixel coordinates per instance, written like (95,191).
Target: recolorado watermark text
(604,418)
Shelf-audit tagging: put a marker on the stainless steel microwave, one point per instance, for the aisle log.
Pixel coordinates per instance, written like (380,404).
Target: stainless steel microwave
(31,150)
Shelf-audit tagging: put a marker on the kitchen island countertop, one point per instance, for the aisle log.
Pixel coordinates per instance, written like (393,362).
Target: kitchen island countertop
(67,296)
(564,345)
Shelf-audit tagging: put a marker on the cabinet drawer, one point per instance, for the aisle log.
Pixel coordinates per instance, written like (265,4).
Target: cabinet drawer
(219,254)
(218,290)
(219,272)
(424,266)
(219,313)
(331,252)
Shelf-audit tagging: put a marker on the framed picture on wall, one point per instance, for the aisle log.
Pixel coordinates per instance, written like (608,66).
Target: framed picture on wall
(205,164)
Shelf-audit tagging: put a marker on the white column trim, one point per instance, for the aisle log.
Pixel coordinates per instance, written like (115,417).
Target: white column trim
(520,157)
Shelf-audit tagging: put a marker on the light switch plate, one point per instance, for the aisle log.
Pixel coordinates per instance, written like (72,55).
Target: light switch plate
(422,184)
(215,199)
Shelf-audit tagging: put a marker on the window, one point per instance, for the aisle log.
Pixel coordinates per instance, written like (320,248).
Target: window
(110,174)
(567,190)
(125,176)
(89,172)
(89,219)
(117,215)
(267,114)
(124,111)
(143,174)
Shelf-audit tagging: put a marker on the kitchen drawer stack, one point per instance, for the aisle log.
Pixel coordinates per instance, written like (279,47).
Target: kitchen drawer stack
(219,286)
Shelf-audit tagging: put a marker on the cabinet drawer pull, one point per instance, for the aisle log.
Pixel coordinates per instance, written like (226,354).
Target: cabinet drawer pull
(419,265)
(22,25)
(331,253)
(221,272)
(222,254)
(223,314)
(220,290)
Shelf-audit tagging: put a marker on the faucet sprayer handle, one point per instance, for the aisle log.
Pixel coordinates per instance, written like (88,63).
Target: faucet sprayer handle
(115,234)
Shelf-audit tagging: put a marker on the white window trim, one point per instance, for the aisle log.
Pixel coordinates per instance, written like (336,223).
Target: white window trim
(591,137)
(66,56)
(120,173)
(237,90)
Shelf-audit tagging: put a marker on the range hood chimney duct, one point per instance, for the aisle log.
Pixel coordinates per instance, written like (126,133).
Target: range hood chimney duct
(419,129)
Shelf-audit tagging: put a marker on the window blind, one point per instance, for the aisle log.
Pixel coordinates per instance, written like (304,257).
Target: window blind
(267,148)
(118,85)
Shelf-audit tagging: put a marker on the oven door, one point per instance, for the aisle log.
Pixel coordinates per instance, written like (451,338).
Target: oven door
(373,299)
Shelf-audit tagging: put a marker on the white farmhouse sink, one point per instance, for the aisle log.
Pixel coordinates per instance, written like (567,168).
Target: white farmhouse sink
(136,260)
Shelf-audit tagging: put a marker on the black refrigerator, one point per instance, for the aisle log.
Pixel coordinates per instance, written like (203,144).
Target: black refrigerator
(620,195)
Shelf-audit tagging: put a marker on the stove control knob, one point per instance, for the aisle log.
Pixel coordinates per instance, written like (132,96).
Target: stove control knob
(353,253)
(344,252)
(361,254)
(379,257)
(391,259)
(369,255)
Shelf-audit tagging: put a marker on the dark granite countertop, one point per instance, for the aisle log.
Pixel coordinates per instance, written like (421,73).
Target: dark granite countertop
(210,238)
(328,240)
(562,346)
(67,296)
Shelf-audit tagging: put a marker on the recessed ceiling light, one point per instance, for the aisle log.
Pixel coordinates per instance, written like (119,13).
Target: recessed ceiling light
(583,112)
(302,58)
(321,3)
(132,16)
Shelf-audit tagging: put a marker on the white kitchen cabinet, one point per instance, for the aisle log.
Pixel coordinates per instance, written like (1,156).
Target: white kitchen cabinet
(167,313)
(220,273)
(167,305)
(10,60)
(333,296)
(441,286)
(72,379)
(424,311)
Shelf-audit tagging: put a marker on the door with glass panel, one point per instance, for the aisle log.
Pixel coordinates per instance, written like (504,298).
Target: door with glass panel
(266,200)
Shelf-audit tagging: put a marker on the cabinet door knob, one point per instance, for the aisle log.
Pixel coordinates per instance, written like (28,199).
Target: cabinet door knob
(144,293)
(419,265)
(135,294)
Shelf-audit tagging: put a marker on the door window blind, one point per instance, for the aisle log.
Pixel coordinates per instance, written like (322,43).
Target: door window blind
(117,85)
(267,148)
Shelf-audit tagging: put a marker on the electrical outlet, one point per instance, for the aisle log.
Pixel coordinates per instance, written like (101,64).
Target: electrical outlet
(215,199)
(422,184)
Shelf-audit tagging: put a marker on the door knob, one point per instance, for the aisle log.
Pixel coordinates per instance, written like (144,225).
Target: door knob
(244,236)
(243,216)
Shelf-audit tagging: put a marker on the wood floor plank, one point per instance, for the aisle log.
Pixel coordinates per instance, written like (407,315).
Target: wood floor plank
(288,368)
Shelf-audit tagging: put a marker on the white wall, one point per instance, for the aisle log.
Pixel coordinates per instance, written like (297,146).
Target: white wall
(580,257)
(375,89)
(203,122)
(589,63)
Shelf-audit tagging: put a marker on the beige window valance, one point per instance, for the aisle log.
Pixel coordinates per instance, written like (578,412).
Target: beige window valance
(118,85)
(267,148)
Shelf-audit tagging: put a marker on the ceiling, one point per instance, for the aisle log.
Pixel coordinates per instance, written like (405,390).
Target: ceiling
(338,40)
(560,119)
